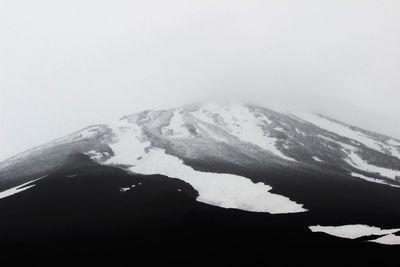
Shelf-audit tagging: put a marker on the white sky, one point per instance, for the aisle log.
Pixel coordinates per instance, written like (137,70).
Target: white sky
(66,64)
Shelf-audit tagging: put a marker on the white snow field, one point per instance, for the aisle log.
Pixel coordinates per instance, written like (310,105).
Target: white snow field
(352,231)
(387,240)
(218,189)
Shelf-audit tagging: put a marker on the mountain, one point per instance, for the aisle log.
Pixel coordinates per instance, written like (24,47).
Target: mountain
(227,175)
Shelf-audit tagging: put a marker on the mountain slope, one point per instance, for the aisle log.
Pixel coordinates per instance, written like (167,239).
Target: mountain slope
(81,214)
(291,170)
(246,136)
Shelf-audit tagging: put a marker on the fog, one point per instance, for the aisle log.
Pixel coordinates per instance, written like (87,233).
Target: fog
(69,63)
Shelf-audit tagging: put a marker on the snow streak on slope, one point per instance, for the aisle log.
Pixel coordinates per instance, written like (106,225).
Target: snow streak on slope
(317,159)
(357,162)
(352,231)
(372,180)
(240,122)
(18,189)
(346,131)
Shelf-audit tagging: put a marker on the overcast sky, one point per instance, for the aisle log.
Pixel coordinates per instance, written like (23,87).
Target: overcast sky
(66,64)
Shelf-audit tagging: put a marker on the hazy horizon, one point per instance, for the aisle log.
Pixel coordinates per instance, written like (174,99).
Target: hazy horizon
(69,64)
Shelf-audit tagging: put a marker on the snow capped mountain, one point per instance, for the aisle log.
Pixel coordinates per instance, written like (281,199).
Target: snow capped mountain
(245,135)
(241,157)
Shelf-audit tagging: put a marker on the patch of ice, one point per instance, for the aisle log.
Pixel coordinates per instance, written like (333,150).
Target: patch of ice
(222,190)
(387,240)
(352,231)
(372,180)
(20,188)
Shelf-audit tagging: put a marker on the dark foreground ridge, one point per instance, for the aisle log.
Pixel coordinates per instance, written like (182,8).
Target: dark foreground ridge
(80,213)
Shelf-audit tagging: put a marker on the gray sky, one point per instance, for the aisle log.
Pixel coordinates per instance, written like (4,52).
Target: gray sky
(66,64)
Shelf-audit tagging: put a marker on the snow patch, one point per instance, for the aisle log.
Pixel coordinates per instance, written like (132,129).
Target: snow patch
(129,146)
(124,189)
(317,159)
(357,162)
(372,180)
(20,188)
(218,189)
(387,240)
(352,231)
